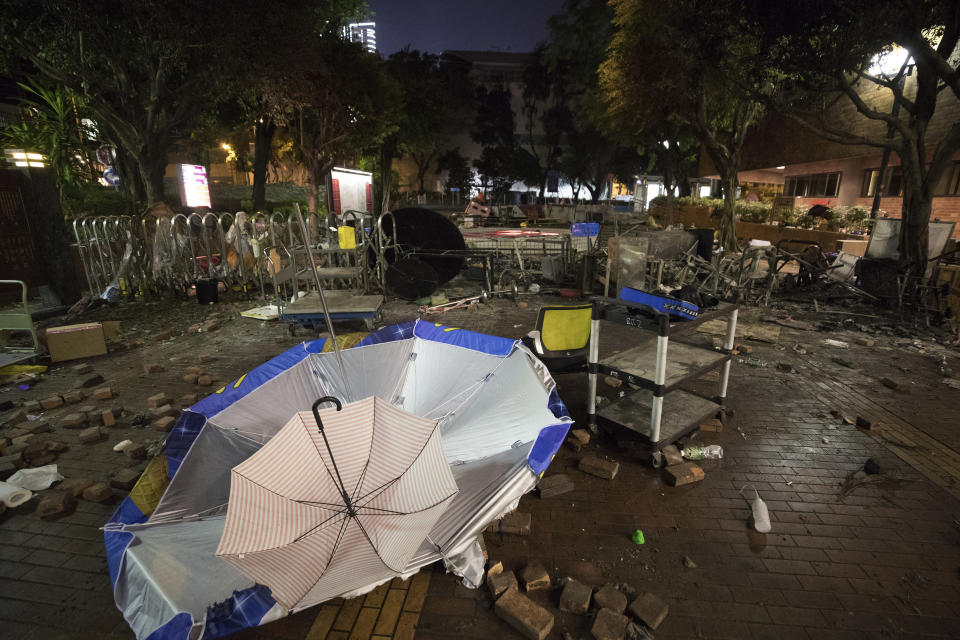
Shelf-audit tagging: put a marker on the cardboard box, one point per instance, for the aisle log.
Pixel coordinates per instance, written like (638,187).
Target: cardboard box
(76,341)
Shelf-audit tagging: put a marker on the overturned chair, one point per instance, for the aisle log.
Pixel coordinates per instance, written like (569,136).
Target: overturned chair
(561,337)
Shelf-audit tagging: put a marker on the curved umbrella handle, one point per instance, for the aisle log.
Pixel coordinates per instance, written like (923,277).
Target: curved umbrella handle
(316,414)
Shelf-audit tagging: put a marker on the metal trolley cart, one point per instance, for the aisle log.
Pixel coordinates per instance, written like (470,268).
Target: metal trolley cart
(659,412)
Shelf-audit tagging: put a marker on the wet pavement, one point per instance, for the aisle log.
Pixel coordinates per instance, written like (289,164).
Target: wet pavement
(848,556)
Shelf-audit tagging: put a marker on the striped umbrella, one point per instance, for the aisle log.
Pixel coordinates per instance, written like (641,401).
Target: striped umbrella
(336,500)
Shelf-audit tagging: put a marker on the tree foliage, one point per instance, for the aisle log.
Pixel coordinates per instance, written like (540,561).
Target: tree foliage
(690,66)
(849,53)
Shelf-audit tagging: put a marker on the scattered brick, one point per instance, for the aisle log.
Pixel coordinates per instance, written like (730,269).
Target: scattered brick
(650,609)
(863,423)
(194,328)
(190,378)
(188,399)
(51,403)
(91,435)
(554,485)
(194,369)
(75,486)
(681,474)
(892,384)
(205,381)
(524,615)
(610,381)
(865,342)
(164,424)
(43,460)
(500,582)
(713,425)
(161,336)
(31,406)
(165,410)
(56,446)
(91,381)
(73,420)
(211,325)
(103,393)
(35,451)
(100,492)
(153,368)
(36,426)
(124,479)
(609,625)
(671,455)
(135,451)
(599,467)
(58,504)
(743,348)
(578,439)
(158,400)
(535,578)
(108,419)
(575,597)
(609,597)
(207,359)
(515,522)
(16,418)
(81,369)
(785,366)
(74,397)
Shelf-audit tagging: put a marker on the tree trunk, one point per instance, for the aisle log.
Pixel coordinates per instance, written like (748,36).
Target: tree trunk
(263,141)
(914,235)
(728,221)
(683,186)
(152,166)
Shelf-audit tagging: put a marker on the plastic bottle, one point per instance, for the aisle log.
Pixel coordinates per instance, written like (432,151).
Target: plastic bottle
(709,452)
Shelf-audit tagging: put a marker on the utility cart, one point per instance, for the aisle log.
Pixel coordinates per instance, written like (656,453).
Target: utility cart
(659,412)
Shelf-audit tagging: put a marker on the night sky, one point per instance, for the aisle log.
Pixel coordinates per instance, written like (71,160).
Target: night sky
(435,25)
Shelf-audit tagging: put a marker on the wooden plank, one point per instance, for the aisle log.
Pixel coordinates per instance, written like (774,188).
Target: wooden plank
(337,302)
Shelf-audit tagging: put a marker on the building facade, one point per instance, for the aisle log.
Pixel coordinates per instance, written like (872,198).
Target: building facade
(364,33)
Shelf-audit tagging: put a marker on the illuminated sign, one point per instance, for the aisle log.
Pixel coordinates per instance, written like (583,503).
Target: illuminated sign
(194,189)
(352,190)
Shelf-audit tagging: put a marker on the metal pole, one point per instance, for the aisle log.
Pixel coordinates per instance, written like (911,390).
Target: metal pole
(323,300)
(593,357)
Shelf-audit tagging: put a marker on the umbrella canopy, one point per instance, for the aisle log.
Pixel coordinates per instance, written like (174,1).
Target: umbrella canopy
(334,498)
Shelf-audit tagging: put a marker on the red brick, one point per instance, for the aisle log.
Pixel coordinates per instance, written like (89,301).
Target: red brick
(73,420)
(190,378)
(524,615)
(609,597)
(103,393)
(497,583)
(164,424)
(161,335)
(74,486)
(91,435)
(158,400)
(99,492)
(575,597)
(681,474)
(204,381)
(535,577)
(51,403)
(107,418)
(515,522)
(58,504)
(650,609)
(125,479)
(595,466)
(153,367)
(609,625)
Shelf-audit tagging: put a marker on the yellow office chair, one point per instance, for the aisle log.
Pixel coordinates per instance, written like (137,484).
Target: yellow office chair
(562,337)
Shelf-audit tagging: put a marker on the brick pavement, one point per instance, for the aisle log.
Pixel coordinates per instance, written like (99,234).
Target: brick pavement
(874,560)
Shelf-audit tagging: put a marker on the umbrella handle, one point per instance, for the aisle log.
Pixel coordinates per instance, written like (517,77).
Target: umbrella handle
(316,414)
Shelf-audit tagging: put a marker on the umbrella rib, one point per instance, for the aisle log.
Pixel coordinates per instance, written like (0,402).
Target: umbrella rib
(310,531)
(336,544)
(407,513)
(320,455)
(412,462)
(374,547)
(279,495)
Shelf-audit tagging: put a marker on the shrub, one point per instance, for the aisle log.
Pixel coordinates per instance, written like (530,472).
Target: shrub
(749,211)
